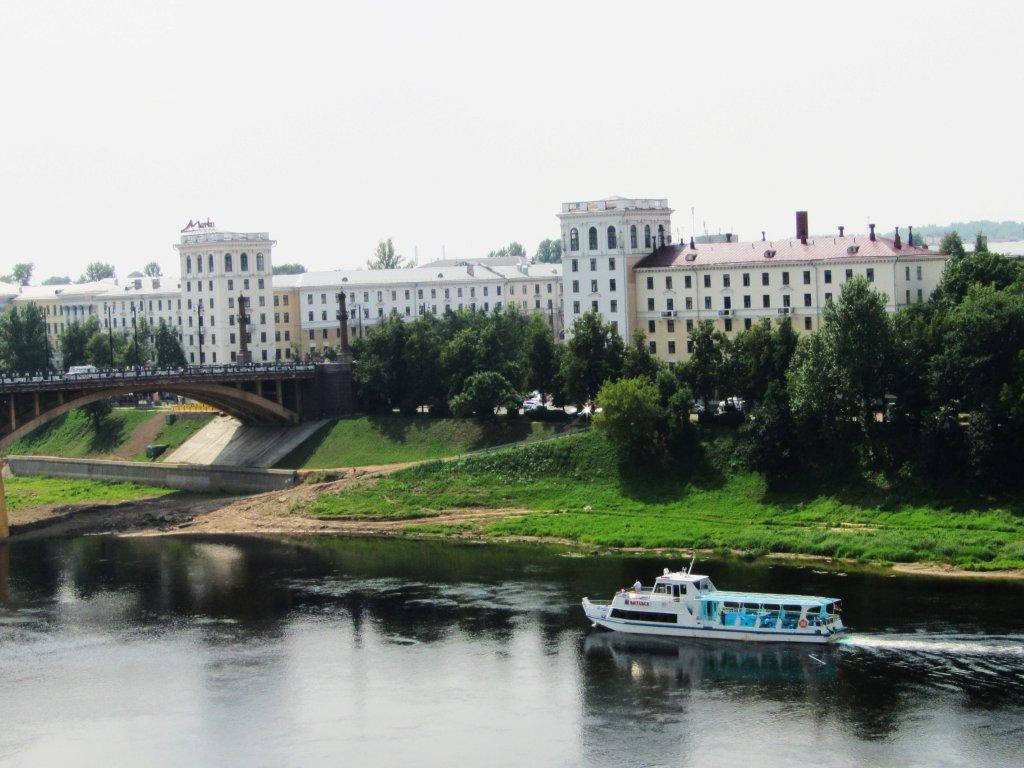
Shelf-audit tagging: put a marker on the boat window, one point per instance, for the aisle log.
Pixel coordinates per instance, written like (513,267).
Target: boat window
(751,606)
(654,616)
(675,590)
(813,610)
(659,589)
(730,606)
(791,608)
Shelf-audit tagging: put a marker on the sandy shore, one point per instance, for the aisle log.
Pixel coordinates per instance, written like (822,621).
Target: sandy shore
(282,512)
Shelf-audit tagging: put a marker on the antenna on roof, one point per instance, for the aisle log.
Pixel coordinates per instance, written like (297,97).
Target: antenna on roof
(690,569)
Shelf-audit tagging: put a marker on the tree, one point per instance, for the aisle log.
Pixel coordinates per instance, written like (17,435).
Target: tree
(483,394)
(541,357)
(549,252)
(386,258)
(705,364)
(984,268)
(21,274)
(57,280)
(772,437)
(23,343)
(952,244)
(759,356)
(152,270)
(169,353)
(98,349)
(513,249)
(637,360)
(632,419)
(980,243)
(138,351)
(289,269)
(74,340)
(97,270)
(593,354)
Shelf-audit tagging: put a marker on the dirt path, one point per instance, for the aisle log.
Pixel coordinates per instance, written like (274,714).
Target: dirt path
(143,435)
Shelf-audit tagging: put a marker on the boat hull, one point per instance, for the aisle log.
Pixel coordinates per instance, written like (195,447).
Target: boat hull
(598,616)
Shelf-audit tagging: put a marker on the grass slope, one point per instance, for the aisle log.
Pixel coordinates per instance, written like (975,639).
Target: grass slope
(73,436)
(574,491)
(173,435)
(368,440)
(52,491)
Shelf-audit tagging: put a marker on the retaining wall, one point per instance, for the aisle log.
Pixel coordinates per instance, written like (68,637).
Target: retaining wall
(184,477)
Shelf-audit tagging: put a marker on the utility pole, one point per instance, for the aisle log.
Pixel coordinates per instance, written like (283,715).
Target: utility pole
(110,336)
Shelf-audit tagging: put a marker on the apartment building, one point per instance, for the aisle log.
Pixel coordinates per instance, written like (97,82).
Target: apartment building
(737,284)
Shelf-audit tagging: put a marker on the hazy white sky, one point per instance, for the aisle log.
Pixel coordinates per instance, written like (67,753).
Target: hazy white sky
(334,125)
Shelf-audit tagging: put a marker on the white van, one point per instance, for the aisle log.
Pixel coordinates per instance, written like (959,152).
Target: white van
(82,369)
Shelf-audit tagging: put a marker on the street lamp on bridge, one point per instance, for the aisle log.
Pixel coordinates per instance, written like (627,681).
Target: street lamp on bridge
(200,310)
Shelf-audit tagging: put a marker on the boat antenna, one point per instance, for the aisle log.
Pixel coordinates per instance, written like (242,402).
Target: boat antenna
(692,561)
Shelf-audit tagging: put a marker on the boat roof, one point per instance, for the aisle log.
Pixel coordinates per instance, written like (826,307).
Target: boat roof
(681,576)
(764,597)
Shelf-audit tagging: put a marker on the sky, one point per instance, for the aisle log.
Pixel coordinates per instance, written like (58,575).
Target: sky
(463,126)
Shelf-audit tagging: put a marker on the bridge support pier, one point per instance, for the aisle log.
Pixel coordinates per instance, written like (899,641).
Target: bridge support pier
(5,529)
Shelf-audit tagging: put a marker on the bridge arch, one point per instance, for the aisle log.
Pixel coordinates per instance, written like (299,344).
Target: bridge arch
(246,406)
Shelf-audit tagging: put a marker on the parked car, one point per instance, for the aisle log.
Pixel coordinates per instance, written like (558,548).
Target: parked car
(77,369)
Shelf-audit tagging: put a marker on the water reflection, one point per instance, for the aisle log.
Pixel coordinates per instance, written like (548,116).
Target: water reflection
(282,651)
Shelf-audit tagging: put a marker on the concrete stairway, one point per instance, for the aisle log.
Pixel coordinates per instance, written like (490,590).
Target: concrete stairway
(227,441)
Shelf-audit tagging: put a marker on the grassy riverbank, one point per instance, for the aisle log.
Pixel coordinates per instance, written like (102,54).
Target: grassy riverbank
(123,434)
(24,492)
(572,490)
(366,440)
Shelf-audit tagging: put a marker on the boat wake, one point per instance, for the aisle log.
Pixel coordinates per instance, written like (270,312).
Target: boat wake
(943,644)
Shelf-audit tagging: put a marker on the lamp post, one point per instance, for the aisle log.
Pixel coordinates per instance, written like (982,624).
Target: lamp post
(110,336)
(200,332)
(135,335)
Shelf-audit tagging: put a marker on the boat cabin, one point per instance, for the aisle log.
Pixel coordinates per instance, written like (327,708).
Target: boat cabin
(760,611)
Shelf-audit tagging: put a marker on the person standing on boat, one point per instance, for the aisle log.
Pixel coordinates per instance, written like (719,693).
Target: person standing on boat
(637,587)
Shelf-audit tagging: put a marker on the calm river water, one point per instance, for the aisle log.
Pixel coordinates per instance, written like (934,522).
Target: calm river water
(238,651)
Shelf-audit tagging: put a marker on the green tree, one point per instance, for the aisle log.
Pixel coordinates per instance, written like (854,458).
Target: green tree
(705,364)
(152,270)
(21,274)
(57,280)
(167,347)
(541,357)
(483,394)
(23,343)
(513,249)
(385,257)
(980,243)
(633,420)
(976,269)
(637,360)
(97,270)
(952,244)
(74,339)
(138,349)
(771,436)
(593,354)
(289,269)
(549,252)
(98,349)
(759,356)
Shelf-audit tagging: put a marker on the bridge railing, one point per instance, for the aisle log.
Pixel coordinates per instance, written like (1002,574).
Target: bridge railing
(143,374)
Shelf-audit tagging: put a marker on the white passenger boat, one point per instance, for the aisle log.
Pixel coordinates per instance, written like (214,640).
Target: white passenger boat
(684,604)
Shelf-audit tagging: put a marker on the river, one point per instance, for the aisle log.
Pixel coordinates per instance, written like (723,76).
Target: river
(242,651)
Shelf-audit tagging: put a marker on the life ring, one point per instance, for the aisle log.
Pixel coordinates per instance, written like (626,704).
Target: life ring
(803,623)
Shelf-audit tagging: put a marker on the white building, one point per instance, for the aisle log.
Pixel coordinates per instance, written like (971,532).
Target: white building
(602,240)
(218,271)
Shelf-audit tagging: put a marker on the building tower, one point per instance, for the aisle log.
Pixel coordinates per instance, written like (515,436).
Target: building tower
(601,242)
(217,268)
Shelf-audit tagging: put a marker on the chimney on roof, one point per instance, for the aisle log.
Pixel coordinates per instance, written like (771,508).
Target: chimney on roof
(841,228)
(692,246)
(910,236)
(896,242)
(871,235)
(762,236)
(728,237)
(801,227)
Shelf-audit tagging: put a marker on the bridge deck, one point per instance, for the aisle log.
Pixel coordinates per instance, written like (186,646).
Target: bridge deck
(153,378)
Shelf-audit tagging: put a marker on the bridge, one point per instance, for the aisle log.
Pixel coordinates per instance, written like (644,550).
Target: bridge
(256,392)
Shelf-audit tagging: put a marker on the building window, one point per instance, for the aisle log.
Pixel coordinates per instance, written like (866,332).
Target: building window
(807,299)
(243,262)
(689,302)
(650,305)
(766,301)
(671,347)
(661,234)
(764,278)
(575,287)
(849,274)
(688,281)
(670,305)
(807,277)
(188,265)
(592,238)
(828,297)
(227,262)
(785,299)
(612,239)
(746,279)
(199,264)
(259,262)
(689,346)
(632,237)
(614,305)
(828,275)
(650,283)
(908,295)
(593,268)
(707,281)
(593,305)
(593,286)
(575,308)
(785,278)
(611,264)
(650,326)
(807,323)
(871,274)
(707,302)
(727,302)
(726,281)
(746,323)
(668,282)
(919,273)
(647,235)
(652,347)
(670,326)
(689,325)
(574,241)
(728,324)
(611,284)
(920,295)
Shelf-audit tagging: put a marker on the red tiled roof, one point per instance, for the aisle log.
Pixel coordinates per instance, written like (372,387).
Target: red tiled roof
(817,249)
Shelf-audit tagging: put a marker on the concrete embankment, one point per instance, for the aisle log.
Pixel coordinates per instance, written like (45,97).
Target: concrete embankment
(185,477)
